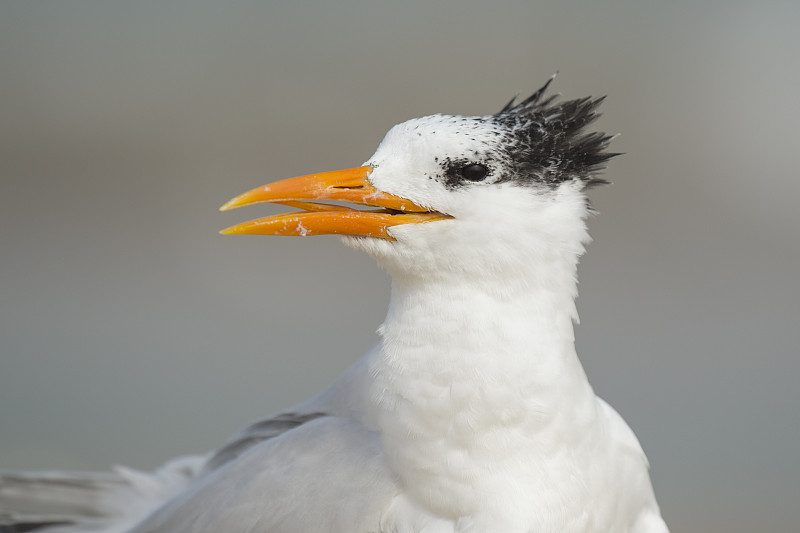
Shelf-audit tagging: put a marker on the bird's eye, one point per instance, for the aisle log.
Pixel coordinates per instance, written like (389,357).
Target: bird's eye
(474,172)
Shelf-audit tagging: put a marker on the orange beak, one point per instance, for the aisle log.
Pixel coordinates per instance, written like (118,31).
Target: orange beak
(349,185)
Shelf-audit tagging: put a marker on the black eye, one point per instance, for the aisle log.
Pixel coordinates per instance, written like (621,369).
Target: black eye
(474,172)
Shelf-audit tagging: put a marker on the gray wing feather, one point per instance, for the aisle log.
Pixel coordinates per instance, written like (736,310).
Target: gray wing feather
(34,500)
(326,475)
(71,502)
(103,501)
(294,441)
(256,433)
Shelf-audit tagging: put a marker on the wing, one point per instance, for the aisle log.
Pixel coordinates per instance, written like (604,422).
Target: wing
(256,433)
(58,502)
(326,475)
(71,502)
(344,398)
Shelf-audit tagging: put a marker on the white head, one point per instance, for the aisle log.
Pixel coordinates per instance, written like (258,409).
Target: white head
(512,185)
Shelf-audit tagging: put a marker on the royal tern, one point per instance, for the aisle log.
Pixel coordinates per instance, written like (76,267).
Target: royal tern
(472,414)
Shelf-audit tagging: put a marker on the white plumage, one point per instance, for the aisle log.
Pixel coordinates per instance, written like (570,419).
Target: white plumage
(471,415)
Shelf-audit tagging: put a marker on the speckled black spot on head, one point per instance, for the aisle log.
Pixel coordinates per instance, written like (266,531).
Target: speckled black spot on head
(454,170)
(546,142)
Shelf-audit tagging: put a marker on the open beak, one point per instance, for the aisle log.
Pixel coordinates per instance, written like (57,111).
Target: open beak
(349,185)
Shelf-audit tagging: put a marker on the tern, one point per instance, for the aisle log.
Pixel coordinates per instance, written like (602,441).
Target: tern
(472,414)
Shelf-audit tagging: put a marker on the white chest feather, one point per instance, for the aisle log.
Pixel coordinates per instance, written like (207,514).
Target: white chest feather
(487,418)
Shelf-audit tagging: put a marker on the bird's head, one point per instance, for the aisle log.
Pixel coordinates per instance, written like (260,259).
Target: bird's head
(455,193)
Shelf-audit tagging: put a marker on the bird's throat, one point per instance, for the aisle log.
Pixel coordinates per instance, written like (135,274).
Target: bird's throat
(440,335)
(467,371)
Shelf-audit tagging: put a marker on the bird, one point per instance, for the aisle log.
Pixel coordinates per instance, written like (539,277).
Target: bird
(472,414)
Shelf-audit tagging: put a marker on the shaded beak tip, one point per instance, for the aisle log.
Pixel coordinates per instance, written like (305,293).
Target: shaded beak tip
(230,204)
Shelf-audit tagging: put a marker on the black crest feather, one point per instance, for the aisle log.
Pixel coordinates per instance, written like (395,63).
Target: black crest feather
(547,141)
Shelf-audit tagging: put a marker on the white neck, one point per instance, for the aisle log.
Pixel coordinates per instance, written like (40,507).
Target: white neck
(480,368)
(513,331)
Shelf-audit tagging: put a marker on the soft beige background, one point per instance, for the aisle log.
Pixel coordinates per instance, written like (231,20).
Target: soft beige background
(131,332)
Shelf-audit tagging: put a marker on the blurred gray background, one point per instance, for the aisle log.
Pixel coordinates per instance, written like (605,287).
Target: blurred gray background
(130,332)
